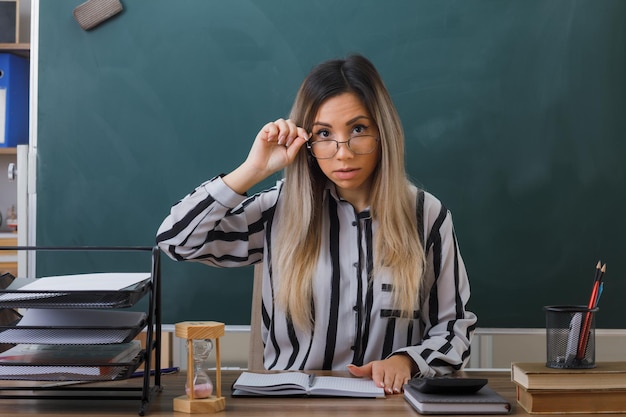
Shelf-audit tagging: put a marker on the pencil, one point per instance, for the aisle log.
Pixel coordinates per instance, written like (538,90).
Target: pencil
(597,273)
(593,302)
(597,277)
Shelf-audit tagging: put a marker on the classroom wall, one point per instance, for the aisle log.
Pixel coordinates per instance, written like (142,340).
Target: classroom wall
(25,12)
(8,189)
(491,348)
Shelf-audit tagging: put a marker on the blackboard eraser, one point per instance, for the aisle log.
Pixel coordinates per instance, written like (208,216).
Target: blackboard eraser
(93,12)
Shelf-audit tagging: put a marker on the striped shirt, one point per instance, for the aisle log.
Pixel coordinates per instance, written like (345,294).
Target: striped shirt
(354,320)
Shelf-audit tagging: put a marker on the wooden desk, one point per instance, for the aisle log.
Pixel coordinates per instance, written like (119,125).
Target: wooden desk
(173,385)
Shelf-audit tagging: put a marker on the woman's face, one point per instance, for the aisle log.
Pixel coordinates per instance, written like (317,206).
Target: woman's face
(341,118)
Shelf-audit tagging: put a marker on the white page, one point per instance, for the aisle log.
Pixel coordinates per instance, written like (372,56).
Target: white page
(80,317)
(354,387)
(91,320)
(284,383)
(107,281)
(250,379)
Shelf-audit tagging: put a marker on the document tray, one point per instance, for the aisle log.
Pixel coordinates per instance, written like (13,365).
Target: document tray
(14,298)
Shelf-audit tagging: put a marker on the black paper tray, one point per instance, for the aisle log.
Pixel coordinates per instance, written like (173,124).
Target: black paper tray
(14,298)
(68,372)
(70,335)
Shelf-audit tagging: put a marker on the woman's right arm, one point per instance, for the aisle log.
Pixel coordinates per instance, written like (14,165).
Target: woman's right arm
(204,226)
(211,225)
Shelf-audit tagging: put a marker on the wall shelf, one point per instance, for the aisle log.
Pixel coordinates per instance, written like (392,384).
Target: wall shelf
(22,49)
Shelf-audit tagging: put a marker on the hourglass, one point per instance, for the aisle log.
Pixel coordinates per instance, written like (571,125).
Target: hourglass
(198,388)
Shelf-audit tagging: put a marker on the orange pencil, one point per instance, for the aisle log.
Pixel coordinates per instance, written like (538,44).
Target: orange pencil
(584,335)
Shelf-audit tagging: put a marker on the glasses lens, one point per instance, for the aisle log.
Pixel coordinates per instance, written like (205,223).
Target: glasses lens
(324,149)
(362,144)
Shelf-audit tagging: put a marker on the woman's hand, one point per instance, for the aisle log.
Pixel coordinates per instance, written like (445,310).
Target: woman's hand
(275,146)
(390,374)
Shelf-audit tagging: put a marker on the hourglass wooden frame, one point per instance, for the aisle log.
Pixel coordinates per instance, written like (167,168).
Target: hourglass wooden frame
(195,330)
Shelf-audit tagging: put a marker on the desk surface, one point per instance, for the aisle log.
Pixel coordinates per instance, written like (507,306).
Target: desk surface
(173,386)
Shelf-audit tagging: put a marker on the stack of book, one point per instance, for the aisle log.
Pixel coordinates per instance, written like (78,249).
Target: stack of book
(543,390)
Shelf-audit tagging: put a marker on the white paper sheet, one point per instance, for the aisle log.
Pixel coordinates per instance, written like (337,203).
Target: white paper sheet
(106,281)
(94,323)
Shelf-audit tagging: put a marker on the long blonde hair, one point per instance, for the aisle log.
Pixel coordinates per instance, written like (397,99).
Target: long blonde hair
(298,239)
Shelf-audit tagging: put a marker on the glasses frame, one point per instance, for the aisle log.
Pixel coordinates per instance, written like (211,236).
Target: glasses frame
(309,146)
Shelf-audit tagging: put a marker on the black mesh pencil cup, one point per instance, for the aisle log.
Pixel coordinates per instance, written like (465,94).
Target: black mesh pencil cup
(570,337)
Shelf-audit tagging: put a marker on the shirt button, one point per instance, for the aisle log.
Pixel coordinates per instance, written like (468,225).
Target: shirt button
(352,348)
(354,223)
(356,264)
(355,308)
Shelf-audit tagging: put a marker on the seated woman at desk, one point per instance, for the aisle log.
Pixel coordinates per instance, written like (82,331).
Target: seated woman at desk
(361,268)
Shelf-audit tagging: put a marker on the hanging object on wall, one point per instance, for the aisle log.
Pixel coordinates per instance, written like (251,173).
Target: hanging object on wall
(93,12)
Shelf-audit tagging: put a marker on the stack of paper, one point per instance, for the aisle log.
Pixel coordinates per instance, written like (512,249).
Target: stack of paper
(55,360)
(74,326)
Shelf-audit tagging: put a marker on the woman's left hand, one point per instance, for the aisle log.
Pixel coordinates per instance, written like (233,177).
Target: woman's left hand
(391,374)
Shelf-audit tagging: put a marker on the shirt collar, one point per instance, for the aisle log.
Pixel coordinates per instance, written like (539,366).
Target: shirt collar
(331,190)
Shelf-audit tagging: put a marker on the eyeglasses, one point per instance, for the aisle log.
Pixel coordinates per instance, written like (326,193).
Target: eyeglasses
(358,144)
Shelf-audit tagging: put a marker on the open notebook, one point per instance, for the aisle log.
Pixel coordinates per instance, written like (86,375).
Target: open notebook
(299,383)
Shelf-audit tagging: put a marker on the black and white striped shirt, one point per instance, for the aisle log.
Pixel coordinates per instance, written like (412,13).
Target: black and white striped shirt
(354,320)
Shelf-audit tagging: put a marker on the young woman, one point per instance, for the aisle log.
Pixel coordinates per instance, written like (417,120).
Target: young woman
(360,268)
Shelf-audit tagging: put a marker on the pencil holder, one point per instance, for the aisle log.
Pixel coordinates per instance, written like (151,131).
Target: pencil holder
(570,337)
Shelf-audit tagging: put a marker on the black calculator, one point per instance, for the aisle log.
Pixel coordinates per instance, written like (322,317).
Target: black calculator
(447,385)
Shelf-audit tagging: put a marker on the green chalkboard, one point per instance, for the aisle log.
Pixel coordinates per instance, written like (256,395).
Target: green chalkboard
(514,112)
